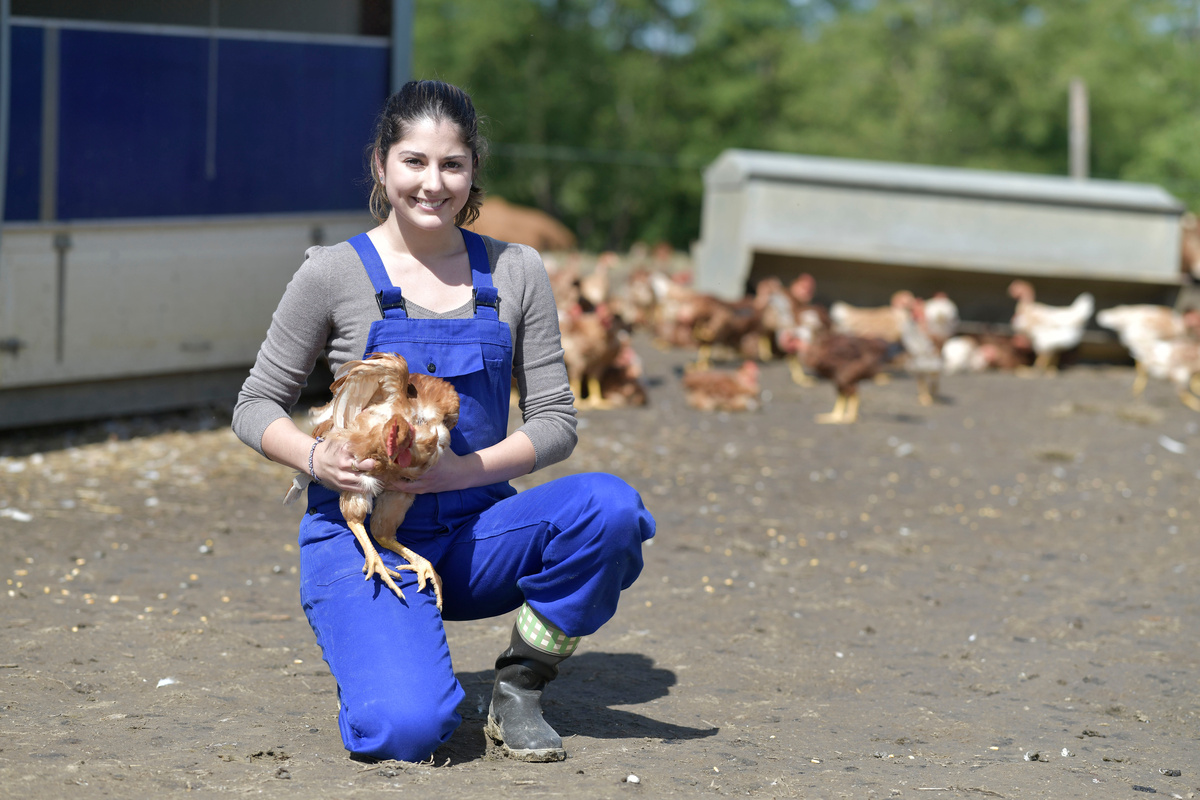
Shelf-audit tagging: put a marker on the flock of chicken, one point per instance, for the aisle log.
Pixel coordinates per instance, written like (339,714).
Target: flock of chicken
(841,343)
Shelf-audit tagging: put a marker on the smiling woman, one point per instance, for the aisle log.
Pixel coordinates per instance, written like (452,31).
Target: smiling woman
(451,115)
(479,313)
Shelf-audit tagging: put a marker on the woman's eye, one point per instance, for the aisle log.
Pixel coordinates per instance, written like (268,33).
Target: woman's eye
(453,165)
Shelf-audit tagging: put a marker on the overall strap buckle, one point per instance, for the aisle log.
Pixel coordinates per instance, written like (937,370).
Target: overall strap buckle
(389,299)
(486,296)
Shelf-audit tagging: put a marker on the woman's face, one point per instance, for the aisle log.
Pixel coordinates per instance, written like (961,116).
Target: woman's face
(427,175)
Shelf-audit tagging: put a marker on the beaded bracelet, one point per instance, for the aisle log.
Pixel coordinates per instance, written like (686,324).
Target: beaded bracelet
(311,451)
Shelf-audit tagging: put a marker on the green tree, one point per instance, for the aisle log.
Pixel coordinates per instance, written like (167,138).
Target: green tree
(605,112)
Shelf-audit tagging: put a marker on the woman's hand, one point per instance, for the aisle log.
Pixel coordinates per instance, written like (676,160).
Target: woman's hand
(336,468)
(451,472)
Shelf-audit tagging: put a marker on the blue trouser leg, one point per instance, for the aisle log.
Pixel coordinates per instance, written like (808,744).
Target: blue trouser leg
(396,683)
(567,547)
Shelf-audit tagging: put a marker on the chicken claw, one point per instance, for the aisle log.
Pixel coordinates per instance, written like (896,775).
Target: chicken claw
(374,565)
(422,568)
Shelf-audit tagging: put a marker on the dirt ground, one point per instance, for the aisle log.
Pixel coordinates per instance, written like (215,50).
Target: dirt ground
(992,597)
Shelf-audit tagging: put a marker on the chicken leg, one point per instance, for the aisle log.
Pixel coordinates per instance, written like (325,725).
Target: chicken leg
(799,377)
(703,357)
(390,509)
(1140,379)
(845,411)
(374,564)
(927,388)
(595,397)
(1190,400)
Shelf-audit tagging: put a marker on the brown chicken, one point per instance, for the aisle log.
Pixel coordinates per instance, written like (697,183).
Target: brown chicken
(789,315)
(676,307)
(621,384)
(590,344)
(724,390)
(736,325)
(844,360)
(401,422)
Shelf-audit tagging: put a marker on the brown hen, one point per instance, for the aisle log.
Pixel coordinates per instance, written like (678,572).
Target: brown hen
(590,345)
(401,422)
(724,390)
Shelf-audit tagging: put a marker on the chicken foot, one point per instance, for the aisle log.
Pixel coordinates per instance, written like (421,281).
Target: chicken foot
(1190,400)
(1141,377)
(927,390)
(1045,364)
(595,398)
(374,565)
(799,376)
(845,411)
(390,509)
(420,566)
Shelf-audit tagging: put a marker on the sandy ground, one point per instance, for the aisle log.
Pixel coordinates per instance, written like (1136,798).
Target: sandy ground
(992,597)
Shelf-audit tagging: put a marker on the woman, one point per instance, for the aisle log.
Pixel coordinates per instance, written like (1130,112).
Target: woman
(477,312)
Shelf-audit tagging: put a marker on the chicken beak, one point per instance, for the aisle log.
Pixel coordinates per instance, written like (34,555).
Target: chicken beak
(399,449)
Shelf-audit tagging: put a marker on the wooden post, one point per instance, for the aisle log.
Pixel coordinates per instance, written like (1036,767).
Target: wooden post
(1079,144)
(402,42)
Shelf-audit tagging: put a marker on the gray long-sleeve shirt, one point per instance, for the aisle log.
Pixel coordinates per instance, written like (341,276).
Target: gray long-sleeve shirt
(328,308)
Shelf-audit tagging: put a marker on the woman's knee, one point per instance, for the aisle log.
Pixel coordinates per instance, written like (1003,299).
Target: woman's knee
(403,729)
(623,510)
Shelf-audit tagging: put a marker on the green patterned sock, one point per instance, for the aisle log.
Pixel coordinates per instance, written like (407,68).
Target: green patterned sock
(540,634)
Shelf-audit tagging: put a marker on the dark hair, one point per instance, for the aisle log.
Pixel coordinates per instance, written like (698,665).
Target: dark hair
(417,101)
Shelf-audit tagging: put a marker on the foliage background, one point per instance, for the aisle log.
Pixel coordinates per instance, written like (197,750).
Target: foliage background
(605,112)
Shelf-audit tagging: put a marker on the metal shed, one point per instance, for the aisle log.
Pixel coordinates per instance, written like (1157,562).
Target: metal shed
(864,229)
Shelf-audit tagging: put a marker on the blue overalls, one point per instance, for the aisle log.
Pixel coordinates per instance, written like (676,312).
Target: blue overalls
(567,547)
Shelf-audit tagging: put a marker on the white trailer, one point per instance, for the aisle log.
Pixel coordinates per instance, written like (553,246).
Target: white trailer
(163,168)
(130,316)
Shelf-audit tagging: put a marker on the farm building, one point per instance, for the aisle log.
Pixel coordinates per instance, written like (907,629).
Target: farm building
(866,229)
(163,167)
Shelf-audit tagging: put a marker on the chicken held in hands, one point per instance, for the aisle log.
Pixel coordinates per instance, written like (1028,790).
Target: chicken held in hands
(401,422)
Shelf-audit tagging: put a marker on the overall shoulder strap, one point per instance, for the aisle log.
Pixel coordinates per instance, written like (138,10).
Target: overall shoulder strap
(391,302)
(487,301)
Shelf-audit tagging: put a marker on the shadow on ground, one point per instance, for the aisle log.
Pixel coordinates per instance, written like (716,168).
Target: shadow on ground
(582,701)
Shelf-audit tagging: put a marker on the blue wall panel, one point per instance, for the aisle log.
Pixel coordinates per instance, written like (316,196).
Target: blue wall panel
(292,120)
(132,113)
(24,174)
(292,124)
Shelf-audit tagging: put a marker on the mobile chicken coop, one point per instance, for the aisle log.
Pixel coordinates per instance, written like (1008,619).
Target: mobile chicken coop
(163,170)
(866,229)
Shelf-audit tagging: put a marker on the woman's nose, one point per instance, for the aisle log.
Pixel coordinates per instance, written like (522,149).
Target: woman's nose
(433,178)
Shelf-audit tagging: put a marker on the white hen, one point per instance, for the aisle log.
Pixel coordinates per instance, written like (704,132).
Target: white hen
(1052,330)
(1140,327)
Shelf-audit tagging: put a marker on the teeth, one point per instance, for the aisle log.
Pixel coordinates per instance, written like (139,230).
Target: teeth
(431,204)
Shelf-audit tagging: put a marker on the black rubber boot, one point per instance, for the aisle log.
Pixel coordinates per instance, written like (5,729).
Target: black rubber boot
(515,720)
